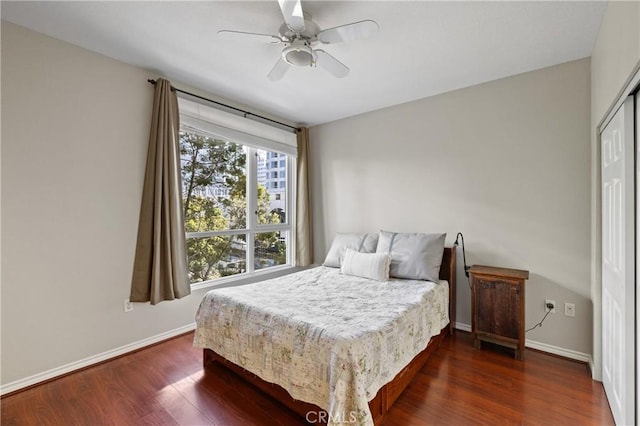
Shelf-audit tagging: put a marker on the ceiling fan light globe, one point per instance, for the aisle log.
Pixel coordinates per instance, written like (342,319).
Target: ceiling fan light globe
(298,55)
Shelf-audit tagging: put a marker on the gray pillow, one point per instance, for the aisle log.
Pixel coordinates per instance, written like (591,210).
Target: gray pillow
(363,243)
(413,256)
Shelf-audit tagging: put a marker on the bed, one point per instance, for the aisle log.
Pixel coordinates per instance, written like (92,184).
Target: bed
(343,352)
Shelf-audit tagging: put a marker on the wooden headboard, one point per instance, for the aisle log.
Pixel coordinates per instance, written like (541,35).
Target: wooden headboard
(448,272)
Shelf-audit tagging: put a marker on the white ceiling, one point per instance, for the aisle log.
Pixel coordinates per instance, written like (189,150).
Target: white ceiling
(422,48)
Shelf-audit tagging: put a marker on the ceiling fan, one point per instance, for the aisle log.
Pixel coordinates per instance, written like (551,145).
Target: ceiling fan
(300,34)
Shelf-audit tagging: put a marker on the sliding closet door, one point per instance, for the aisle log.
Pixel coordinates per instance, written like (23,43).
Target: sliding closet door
(637,201)
(618,263)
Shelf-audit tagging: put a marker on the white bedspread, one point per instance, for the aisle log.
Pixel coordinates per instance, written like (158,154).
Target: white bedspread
(328,339)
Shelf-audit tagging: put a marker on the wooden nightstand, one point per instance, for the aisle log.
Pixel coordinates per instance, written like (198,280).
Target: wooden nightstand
(497,307)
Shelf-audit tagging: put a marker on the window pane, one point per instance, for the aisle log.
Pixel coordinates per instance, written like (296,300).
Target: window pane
(214,257)
(272,188)
(214,183)
(270,249)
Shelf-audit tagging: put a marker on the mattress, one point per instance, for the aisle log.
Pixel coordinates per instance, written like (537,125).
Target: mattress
(328,339)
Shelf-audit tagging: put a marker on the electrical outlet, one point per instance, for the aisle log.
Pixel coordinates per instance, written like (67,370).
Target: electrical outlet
(570,309)
(552,302)
(128,305)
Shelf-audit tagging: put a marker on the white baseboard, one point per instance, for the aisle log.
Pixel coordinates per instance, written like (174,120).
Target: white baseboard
(567,353)
(592,368)
(95,359)
(544,347)
(463,327)
(86,362)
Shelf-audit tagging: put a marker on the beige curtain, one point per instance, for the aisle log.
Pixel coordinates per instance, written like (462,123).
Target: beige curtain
(304,240)
(160,266)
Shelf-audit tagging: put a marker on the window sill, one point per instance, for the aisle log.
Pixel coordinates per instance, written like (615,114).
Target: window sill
(246,278)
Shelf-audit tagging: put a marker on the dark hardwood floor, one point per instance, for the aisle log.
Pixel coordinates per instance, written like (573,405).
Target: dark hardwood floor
(166,385)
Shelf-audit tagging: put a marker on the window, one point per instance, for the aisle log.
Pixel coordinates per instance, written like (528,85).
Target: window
(235,222)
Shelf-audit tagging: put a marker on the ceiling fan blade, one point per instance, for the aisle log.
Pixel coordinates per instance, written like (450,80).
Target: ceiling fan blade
(347,32)
(292,12)
(245,36)
(331,64)
(279,70)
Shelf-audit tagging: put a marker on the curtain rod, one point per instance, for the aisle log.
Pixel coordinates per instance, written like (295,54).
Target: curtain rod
(244,113)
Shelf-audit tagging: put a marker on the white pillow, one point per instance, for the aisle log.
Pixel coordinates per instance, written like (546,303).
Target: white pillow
(374,266)
(364,243)
(413,256)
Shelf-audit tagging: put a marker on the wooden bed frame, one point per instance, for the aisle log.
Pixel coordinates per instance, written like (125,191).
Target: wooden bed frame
(390,392)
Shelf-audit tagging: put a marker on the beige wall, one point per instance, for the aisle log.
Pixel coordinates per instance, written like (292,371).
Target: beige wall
(507,163)
(74,136)
(615,58)
(74,139)
(504,162)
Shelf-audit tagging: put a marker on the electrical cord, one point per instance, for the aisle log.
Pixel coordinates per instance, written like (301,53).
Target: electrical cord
(464,256)
(466,272)
(549,309)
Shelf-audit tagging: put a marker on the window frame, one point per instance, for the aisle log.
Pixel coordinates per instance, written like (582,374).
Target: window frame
(253,228)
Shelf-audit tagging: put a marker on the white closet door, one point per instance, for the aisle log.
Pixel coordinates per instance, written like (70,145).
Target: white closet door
(637,252)
(618,263)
